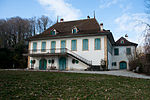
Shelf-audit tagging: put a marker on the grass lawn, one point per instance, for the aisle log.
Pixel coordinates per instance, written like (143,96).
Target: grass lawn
(56,85)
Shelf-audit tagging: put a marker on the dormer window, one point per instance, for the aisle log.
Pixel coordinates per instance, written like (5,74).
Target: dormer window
(74,30)
(122,41)
(53,32)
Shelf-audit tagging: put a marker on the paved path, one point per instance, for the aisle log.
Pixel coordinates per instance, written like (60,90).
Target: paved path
(114,72)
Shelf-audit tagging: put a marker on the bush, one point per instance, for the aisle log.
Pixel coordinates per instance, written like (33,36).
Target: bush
(13,58)
(140,61)
(6,60)
(135,63)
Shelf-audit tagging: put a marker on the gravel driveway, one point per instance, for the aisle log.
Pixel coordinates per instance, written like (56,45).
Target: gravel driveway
(114,72)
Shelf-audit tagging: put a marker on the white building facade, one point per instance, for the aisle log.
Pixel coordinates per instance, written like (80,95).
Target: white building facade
(77,45)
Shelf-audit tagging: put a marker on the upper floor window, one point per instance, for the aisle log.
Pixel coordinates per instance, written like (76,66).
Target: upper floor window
(73,45)
(74,30)
(43,49)
(128,51)
(85,44)
(34,46)
(97,44)
(122,41)
(53,32)
(116,51)
(63,45)
(53,45)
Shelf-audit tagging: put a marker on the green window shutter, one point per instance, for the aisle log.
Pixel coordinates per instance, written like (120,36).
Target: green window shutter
(53,44)
(116,51)
(73,45)
(128,51)
(52,32)
(85,44)
(34,46)
(63,45)
(97,44)
(43,47)
(74,30)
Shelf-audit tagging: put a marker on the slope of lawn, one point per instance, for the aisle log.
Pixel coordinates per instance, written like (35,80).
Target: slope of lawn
(56,85)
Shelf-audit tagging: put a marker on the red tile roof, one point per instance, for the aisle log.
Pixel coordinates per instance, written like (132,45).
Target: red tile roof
(125,42)
(86,27)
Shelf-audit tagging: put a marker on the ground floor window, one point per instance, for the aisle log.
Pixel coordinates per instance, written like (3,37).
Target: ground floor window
(114,64)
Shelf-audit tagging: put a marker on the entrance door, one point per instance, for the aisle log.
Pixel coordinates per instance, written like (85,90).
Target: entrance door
(62,63)
(63,45)
(42,64)
(123,65)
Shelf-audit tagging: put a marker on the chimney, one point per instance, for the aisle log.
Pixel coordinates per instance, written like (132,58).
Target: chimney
(61,20)
(88,17)
(126,36)
(101,27)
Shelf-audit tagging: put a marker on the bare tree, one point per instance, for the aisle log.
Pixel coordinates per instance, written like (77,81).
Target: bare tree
(147,41)
(147,35)
(43,23)
(16,29)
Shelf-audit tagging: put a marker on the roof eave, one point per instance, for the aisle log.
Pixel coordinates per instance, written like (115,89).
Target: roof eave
(69,36)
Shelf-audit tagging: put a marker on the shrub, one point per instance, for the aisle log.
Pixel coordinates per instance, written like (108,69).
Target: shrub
(135,63)
(140,61)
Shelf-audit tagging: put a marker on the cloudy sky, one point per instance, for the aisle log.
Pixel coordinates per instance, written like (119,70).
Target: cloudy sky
(120,16)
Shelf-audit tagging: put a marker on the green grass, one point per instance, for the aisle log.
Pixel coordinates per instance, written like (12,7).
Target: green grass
(56,85)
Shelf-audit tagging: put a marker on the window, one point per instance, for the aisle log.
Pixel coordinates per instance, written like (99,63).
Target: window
(53,44)
(51,61)
(128,51)
(85,44)
(53,32)
(73,45)
(63,45)
(97,44)
(74,30)
(122,41)
(43,47)
(75,61)
(114,64)
(116,51)
(34,46)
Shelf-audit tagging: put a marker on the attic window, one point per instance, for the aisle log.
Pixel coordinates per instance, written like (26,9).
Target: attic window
(53,32)
(74,30)
(122,41)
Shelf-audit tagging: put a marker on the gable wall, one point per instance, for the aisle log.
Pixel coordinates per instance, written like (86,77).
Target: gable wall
(122,55)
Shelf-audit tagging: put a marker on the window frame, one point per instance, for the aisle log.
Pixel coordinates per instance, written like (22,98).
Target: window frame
(114,63)
(95,44)
(127,51)
(54,30)
(72,45)
(76,30)
(115,53)
(122,41)
(62,49)
(87,45)
(43,50)
(34,50)
(54,47)
(61,41)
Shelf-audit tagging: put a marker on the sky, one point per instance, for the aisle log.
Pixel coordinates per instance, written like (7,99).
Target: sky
(119,16)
